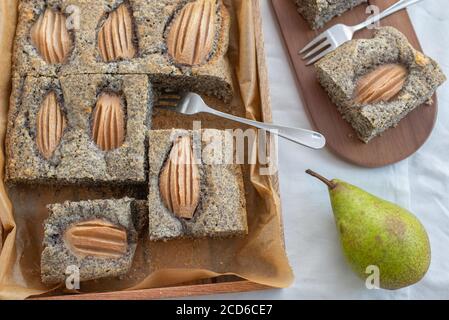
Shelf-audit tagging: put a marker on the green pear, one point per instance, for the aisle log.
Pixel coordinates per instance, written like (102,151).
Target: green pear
(375,232)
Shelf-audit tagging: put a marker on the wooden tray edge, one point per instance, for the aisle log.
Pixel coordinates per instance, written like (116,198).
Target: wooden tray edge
(169,292)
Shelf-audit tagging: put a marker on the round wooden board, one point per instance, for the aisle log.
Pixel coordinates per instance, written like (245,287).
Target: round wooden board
(395,144)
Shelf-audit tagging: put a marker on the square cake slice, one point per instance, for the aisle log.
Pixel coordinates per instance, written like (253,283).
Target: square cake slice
(92,239)
(85,129)
(319,12)
(176,42)
(377,82)
(193,192)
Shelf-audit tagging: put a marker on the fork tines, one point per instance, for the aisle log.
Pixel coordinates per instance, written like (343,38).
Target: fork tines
(168,99)
(316,49)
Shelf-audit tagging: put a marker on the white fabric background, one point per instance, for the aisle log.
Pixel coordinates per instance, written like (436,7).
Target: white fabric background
(420,183)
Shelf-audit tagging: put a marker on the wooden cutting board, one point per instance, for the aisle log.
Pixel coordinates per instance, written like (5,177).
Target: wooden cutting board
(395,144)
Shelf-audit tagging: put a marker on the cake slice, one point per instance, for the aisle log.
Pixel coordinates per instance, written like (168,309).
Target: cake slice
(377,82)
(89,239)
(319,12)
(191,193)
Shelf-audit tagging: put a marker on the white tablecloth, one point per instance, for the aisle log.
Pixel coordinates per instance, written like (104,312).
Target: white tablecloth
(420,183)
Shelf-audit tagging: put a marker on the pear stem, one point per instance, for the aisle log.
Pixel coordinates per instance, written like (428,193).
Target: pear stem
(329,183)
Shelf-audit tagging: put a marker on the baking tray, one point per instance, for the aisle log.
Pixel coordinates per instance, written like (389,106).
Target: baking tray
(222,284)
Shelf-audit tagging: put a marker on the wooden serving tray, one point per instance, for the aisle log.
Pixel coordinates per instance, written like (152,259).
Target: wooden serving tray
(395,144)
(219,285)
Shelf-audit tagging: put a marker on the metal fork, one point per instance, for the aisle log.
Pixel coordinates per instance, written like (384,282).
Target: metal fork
(339,34)
(191,103)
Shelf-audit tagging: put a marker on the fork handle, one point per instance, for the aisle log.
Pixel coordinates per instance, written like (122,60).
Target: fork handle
(303,137)
(402,4)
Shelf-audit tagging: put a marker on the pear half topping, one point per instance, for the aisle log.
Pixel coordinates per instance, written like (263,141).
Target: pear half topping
(192,33)
(108,124)
(51,38)
(96,238)
(381,85)
(50,125)
(179,182)
(115,39)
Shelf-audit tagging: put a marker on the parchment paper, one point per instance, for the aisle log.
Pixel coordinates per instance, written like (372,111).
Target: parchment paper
(259,257)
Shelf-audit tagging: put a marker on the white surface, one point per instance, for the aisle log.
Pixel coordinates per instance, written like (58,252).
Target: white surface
(420,183)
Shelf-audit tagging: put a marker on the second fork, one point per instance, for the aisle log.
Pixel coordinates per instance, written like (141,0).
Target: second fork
(339,34)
